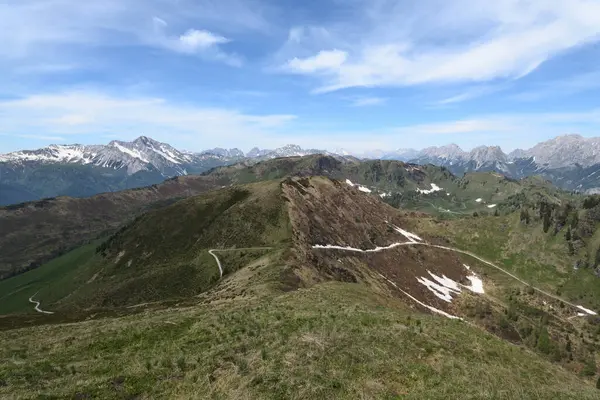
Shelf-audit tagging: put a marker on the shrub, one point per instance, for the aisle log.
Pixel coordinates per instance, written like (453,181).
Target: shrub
(589,368)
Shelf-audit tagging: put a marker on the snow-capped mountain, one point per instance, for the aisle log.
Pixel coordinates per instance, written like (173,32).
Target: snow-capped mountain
(570,161)
(225,153)
(292,150)
(257,153)
(83,170)
(141,154)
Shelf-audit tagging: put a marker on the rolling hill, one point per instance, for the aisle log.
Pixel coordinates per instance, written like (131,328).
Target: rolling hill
(33,233)
(261,288)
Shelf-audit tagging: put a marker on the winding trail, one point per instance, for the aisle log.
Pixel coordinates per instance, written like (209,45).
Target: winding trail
(412,242)
(468,253)
(37,306)
(212,253)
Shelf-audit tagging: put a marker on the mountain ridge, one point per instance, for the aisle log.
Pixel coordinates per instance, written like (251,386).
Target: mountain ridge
(569,161)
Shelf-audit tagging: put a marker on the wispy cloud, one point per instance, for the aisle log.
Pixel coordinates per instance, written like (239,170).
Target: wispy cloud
(470,93)
(194,42)
(505,39)
(37,30)
(560,87)
(84,113)
(509,130)
(368,101)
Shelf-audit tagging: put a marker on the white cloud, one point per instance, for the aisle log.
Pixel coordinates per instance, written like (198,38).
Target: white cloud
(323,61)
(396,45)
(81,113)
(52,31)
(194,39)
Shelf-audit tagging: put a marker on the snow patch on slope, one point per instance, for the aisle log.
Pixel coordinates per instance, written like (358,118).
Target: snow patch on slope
(476,285)
(443,289)
(433,309)
(410,236)
(360,187)
(590,312)
(434,188)
(132,153)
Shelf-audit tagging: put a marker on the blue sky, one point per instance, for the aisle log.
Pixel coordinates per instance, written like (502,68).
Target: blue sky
(353,74)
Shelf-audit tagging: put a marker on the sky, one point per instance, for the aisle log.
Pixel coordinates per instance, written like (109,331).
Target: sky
(358,75)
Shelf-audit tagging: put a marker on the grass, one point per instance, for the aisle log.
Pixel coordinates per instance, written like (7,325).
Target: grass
(141,263)
(55,280)
(248,335)
(333,340)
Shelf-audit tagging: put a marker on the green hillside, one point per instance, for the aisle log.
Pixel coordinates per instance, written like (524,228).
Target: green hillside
(326,291)
(34,233)
(161,255)
(335,340)
(146,313)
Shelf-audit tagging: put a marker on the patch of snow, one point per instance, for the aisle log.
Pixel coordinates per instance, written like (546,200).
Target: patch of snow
(491,206)
(132,153)
(467,267)
(434,188)
(590,312)
(479,200)
(384,195)
(354,249)
(349,182)
(443,289)
(165,155)
(445,281)
(364,189)
(581,314)
(433,309)
(410,236)
(476,285)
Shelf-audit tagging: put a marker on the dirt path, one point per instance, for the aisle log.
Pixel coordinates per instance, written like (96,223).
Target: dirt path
(212,253)
(37,306)
(468,253)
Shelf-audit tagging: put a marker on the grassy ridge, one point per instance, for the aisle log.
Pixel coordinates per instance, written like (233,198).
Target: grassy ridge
(331,341)
(161,255)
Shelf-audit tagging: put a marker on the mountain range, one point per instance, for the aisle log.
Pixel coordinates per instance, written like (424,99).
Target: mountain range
(84,170)
(571,162)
